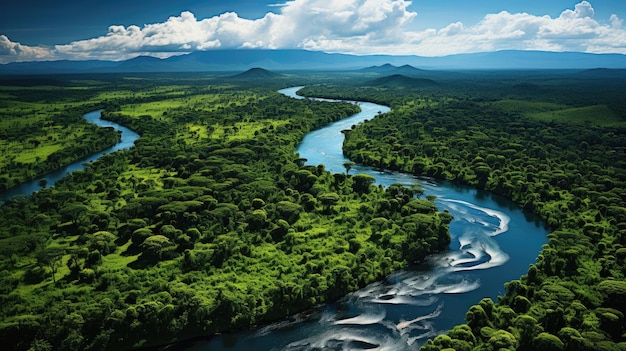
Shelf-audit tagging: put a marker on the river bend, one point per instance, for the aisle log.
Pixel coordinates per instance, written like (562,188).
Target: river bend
(493,242)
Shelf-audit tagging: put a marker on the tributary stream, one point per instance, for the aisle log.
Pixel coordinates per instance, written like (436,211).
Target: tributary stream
(127,140)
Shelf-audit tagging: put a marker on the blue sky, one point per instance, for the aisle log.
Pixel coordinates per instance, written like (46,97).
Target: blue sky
(114,29)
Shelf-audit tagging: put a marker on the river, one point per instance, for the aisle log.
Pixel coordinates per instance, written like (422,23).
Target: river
(493,242)
(127,140)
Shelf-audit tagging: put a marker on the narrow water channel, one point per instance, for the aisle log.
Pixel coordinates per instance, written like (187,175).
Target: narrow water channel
(127,140)
(493,241)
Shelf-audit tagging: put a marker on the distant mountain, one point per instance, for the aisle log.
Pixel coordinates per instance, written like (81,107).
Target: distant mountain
(602,73)
(382,69)
(389,69)
(52,67)
(399,80)
(256,73)
(234,60)
(140,64)
(292,60)
(32,81)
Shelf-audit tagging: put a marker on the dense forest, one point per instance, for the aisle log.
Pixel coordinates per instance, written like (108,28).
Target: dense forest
(553,142)
(210,223)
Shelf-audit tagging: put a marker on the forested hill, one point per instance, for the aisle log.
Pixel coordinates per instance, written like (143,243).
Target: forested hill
(209,223)
(256,73)
(400,81)
(557,147)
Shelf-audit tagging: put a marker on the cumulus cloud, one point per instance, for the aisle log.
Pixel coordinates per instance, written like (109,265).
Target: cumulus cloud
(348,26)
(573,30)
(9,49)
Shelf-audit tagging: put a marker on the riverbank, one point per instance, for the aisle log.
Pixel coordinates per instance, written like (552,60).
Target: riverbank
(547,167)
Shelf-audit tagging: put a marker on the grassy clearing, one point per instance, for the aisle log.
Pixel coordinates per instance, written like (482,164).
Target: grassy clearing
(117,260)
(36,154)
(546,111)
(241,130)
(527,107)
(28,127)
(597,114)
(171,98)
(165,91)
(38,148)
(159,109)
(154,109)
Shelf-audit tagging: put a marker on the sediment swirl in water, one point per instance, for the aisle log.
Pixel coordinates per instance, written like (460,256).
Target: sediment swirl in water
(421,290)
(410,306)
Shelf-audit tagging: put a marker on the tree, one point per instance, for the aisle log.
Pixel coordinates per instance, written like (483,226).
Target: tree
(378,224)
(613,293)
(40,345)
(257,203)
(328,200)
(300,161)
(502,340)
(52,258)
(140,235)
(280,230)
(528,328)
(257,220)
(157,245)
(308,201)
(546,341)
(463,332)
(102,241)
(476,318)
(288,211)
(74,211)
(362,183)
(348,166)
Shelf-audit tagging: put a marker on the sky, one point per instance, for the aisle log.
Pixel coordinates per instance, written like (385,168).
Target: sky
(36,30)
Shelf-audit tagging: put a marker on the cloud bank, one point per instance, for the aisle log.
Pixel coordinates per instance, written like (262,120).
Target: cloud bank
(345,26)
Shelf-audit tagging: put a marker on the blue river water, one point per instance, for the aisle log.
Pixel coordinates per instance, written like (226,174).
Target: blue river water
(493,242)
(127,140)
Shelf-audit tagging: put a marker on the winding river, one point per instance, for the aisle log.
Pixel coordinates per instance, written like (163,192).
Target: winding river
(493,241)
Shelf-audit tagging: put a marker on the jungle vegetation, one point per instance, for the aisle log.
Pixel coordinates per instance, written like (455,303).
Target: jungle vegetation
(555,143)
(210,223)
(42,129)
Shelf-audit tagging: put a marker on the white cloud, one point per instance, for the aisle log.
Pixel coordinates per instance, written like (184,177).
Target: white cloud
(581,10)
(9,49)
(573,30)
(349,26)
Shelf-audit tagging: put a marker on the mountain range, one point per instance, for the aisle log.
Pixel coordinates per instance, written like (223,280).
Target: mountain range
(296,60)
